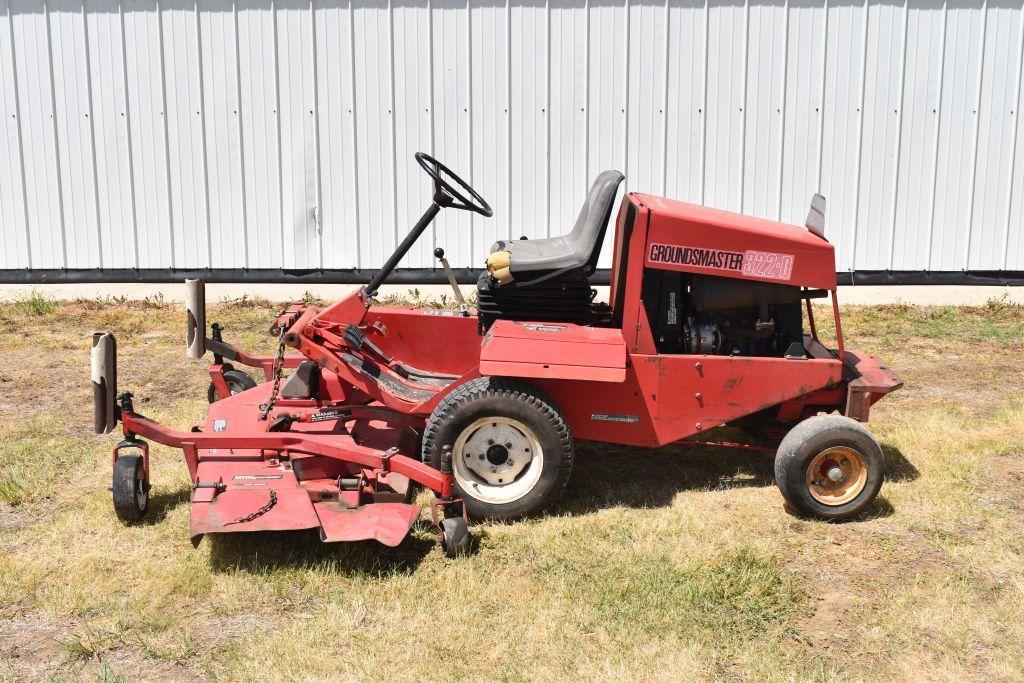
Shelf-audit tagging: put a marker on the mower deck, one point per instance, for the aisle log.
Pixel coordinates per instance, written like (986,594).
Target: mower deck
(253,489)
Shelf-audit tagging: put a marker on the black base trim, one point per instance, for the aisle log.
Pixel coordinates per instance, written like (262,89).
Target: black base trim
(433,276)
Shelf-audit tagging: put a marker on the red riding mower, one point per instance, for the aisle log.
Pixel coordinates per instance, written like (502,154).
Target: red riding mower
(704,327)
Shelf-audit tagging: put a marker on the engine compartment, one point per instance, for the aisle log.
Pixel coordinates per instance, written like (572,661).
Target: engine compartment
(707,314)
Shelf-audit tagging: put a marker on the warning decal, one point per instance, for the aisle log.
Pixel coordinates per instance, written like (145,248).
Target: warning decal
(760,264)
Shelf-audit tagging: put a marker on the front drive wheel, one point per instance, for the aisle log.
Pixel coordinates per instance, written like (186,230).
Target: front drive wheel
(829,467)
(511,449)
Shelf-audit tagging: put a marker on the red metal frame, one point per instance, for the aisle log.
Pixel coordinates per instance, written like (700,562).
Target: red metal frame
(287,442)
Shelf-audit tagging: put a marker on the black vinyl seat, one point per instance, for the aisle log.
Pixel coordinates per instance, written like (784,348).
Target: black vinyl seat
(575,253)
(546,279)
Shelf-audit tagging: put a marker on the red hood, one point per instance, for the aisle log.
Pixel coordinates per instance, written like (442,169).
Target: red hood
(698,239)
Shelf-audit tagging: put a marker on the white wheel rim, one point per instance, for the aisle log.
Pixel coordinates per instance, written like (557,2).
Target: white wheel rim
(497,460)
(141,495)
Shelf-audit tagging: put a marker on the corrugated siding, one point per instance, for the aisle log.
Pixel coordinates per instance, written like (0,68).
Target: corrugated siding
(280,133)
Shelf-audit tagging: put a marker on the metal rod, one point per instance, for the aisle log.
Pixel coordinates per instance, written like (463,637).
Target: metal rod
(810,318)
(393,260)
(839,327)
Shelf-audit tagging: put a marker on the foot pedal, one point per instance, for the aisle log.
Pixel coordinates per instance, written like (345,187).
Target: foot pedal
(356,340)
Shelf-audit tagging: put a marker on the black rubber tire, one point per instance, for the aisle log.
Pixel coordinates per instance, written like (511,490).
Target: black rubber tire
(238,382)
(809,438)
(128,488)
(456,541)
(503,397)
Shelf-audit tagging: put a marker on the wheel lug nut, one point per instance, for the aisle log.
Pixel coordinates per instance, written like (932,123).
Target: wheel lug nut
(508,444)
(490,442)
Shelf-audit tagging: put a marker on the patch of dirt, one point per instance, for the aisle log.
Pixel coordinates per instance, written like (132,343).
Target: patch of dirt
(14,518)
(35,646)
(1006,474)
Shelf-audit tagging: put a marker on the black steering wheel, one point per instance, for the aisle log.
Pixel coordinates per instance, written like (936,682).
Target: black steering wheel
(445,194)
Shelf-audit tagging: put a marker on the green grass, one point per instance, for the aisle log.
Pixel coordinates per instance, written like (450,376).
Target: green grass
(674,564)
(35,304)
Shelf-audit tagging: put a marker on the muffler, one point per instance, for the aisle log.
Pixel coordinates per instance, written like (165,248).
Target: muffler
(104,382)
(195,313)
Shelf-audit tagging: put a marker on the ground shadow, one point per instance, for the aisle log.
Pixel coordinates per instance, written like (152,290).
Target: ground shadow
(163,503)
(897,467)
(607,475)
(260,552)
(880,508)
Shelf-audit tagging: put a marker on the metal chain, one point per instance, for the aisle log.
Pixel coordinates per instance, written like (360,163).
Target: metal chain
(262,511)
(278,370)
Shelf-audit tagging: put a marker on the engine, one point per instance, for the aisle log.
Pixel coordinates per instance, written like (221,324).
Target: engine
(703,314)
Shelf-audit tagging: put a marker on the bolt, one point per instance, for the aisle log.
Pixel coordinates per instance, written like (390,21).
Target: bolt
(510,462)
(494,469)
(490,442)
(481,456)
(508,444)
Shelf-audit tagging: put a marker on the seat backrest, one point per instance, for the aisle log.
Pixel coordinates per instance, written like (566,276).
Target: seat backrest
(592,223)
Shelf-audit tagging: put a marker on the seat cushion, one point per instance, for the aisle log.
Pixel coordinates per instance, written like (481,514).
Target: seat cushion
(552,253)
(576,250)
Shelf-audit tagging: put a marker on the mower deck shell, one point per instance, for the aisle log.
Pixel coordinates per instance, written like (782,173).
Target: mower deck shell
(252,489)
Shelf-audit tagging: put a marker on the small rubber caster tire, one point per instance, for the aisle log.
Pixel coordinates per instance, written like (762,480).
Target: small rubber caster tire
(829,467)
(456,541)
(237,381)
(130,489)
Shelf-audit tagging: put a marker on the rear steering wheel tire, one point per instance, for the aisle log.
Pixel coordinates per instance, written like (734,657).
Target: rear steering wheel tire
(238,382)
(130,489)
(512,452)
(829,467)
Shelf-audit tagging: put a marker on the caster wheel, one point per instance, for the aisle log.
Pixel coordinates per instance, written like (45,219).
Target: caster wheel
(237,381)
(455,537)
(130,489)
(829,467)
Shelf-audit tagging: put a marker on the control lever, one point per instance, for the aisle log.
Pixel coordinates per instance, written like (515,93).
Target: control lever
(439,254)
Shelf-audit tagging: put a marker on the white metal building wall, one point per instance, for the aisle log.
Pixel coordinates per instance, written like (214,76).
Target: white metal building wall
(279,133)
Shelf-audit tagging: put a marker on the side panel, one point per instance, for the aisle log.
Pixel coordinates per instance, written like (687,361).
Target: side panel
(565,352)
(438,341)
(668,398)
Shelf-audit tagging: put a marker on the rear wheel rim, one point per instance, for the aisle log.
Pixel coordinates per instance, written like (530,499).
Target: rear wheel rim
(497,460)
(836,476)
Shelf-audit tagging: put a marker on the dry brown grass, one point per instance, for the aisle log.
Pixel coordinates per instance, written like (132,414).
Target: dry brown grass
(671,564)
